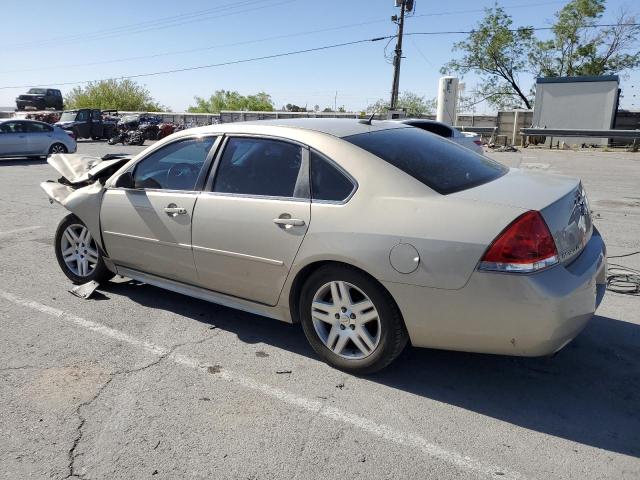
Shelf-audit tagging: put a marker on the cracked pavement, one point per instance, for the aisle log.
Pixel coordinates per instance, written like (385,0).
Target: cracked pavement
(138,382)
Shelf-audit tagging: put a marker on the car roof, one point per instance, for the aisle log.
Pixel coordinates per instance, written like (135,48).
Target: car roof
(338,127)
(28,120)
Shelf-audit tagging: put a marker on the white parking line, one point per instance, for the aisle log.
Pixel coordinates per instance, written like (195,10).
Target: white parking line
(18,230)
(316,407)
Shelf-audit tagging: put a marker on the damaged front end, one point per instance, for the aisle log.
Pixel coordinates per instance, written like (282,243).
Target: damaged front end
(81,186)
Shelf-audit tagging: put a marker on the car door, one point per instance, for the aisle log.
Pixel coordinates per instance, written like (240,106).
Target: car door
(83,127)
(251,218)
(39,137)
(148,227)
(14,138)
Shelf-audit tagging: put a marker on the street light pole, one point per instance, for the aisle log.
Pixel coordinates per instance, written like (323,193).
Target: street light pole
(398,55)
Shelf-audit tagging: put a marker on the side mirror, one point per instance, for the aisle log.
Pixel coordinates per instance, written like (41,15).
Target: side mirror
(125,181)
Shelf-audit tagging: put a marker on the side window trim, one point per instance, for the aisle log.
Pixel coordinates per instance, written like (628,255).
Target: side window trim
(201,176)
(302,187)
(347,175)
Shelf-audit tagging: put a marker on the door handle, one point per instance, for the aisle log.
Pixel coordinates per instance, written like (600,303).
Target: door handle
(289,222)
(172,210)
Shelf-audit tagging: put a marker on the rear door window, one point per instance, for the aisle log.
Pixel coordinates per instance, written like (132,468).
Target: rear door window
(261,167)
(328,183)
(441,165)
(38,128)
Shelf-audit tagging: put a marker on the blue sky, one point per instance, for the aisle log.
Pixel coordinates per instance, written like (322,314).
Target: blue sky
(71,40)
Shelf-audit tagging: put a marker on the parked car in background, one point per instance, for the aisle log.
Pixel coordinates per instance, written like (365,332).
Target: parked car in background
(370,234)
(87,123)
(472,141)
(40,99)
(30,138)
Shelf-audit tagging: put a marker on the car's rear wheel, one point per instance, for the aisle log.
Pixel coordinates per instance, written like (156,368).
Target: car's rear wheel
(57,148)
(78,254)
(351,322)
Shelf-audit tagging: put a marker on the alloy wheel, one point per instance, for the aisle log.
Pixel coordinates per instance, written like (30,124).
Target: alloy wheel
(57,148)
(79,250)
(346,320)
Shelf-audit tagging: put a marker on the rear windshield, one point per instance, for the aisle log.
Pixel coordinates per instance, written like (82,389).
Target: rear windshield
(441,165)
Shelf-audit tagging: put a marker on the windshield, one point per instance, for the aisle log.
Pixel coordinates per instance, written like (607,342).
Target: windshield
(438,163)
(68,116)
(38,91)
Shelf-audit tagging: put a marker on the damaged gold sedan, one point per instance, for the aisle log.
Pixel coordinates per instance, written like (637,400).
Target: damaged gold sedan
(370,234)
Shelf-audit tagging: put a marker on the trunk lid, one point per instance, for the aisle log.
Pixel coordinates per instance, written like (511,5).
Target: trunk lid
(561,200)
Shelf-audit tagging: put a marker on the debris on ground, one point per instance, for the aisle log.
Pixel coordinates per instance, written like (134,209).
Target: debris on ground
(85,290)
(283,371)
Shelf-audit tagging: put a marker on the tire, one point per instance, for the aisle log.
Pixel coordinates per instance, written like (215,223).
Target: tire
(380,320)
(98,271)
(57,148)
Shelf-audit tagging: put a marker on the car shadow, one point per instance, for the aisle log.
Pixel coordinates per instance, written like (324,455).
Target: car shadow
(588,393)
(21,161)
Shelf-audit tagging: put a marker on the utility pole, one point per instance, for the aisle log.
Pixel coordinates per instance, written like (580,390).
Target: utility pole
(405,5)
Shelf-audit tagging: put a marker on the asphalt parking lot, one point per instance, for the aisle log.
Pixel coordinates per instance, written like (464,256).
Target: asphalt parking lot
(138,382)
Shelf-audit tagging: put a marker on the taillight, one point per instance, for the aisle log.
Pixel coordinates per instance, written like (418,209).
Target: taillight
(526,245)
(71,134)
(478,142)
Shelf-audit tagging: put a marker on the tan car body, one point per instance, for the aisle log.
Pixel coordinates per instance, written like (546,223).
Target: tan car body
(245,261)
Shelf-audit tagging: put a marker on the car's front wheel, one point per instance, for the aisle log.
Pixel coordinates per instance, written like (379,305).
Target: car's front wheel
(78,254)
(351,322)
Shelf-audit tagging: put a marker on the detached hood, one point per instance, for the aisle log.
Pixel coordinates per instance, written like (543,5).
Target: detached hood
(77,169)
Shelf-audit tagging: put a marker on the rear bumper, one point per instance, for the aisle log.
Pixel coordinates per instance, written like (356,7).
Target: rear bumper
(29,103)
(525,315)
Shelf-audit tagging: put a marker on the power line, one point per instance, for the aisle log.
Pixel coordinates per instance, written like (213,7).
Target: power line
(535,29)
(143,27)
(481,10)
(284,54)
(201,49)
(247,42)
(197,16)
(212,65)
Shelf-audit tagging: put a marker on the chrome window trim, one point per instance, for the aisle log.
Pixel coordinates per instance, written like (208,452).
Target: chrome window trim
(257,197)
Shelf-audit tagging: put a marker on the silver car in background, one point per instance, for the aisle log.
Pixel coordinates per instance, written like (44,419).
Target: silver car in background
(30,138)
(369,234)
(469,140)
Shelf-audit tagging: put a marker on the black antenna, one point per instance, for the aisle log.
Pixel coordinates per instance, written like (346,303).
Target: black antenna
(368,120)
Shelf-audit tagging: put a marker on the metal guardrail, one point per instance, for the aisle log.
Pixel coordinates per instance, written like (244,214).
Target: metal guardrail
(579,132)
(484,130)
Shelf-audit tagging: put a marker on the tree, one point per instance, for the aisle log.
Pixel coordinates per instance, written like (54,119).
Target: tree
(412,103)
(232,100)
(577,48)
(112,94)
(497,53)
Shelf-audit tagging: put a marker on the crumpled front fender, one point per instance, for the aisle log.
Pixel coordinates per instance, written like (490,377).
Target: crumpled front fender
(83,202)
